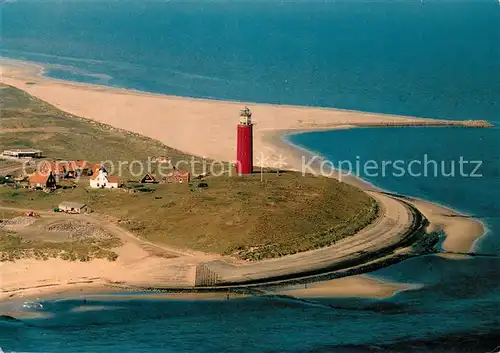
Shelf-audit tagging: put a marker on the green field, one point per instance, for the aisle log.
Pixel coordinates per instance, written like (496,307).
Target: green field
(242,216)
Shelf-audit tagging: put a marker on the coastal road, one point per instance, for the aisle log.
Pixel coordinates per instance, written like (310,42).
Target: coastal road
(397,219)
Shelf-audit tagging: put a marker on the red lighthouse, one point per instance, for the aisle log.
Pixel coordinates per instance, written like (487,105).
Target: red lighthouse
(244,147)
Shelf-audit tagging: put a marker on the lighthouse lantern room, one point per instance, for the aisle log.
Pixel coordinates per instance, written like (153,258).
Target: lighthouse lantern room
(244,147)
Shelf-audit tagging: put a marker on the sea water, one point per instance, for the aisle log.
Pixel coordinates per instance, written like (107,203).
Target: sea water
(423,58)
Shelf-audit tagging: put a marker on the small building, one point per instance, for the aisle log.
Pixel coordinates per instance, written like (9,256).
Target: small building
(72,169)
(81,167)
(148,179)
(178,177)
(57,168)
(22,153)
(42,181)
(73,207)
(94,169)
(100,179)
(6,179)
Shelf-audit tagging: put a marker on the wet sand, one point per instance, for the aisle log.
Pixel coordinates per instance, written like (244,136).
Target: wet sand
(360,286)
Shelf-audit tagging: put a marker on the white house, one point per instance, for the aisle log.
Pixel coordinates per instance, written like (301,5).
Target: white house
(102,180)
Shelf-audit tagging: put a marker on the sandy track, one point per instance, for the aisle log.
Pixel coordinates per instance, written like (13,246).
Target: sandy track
(112,228)
(136,265)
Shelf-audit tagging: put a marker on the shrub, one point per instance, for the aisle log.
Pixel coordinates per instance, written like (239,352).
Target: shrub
(83,257)
(112,256)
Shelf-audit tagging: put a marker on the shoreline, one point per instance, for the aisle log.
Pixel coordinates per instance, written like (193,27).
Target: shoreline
(80,99)
(38,70)
(417,201)
(439,215)
(356,286)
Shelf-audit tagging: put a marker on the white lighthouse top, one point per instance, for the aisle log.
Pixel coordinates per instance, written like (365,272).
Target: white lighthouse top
(245,116)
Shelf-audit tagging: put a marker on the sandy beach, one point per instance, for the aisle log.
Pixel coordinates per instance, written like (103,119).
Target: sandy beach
(205,128)
(200,127)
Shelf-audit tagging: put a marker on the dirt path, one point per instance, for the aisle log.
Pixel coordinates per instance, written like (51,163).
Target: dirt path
(139,263)
(114,229)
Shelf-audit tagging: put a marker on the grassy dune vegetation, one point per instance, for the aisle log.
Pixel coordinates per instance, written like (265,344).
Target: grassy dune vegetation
(27,122)
(284,214)
(34,241)
(14,247)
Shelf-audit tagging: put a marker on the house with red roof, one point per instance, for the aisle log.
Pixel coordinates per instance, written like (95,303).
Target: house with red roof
(56,168)
(40,180)
(95,168)
(101,179)
(178,177)
(75,168)
(148,179)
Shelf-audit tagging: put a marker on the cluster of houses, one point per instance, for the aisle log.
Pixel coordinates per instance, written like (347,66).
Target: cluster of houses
(50,173)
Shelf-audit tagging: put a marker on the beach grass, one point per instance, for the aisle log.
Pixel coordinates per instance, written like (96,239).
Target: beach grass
(14,247)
